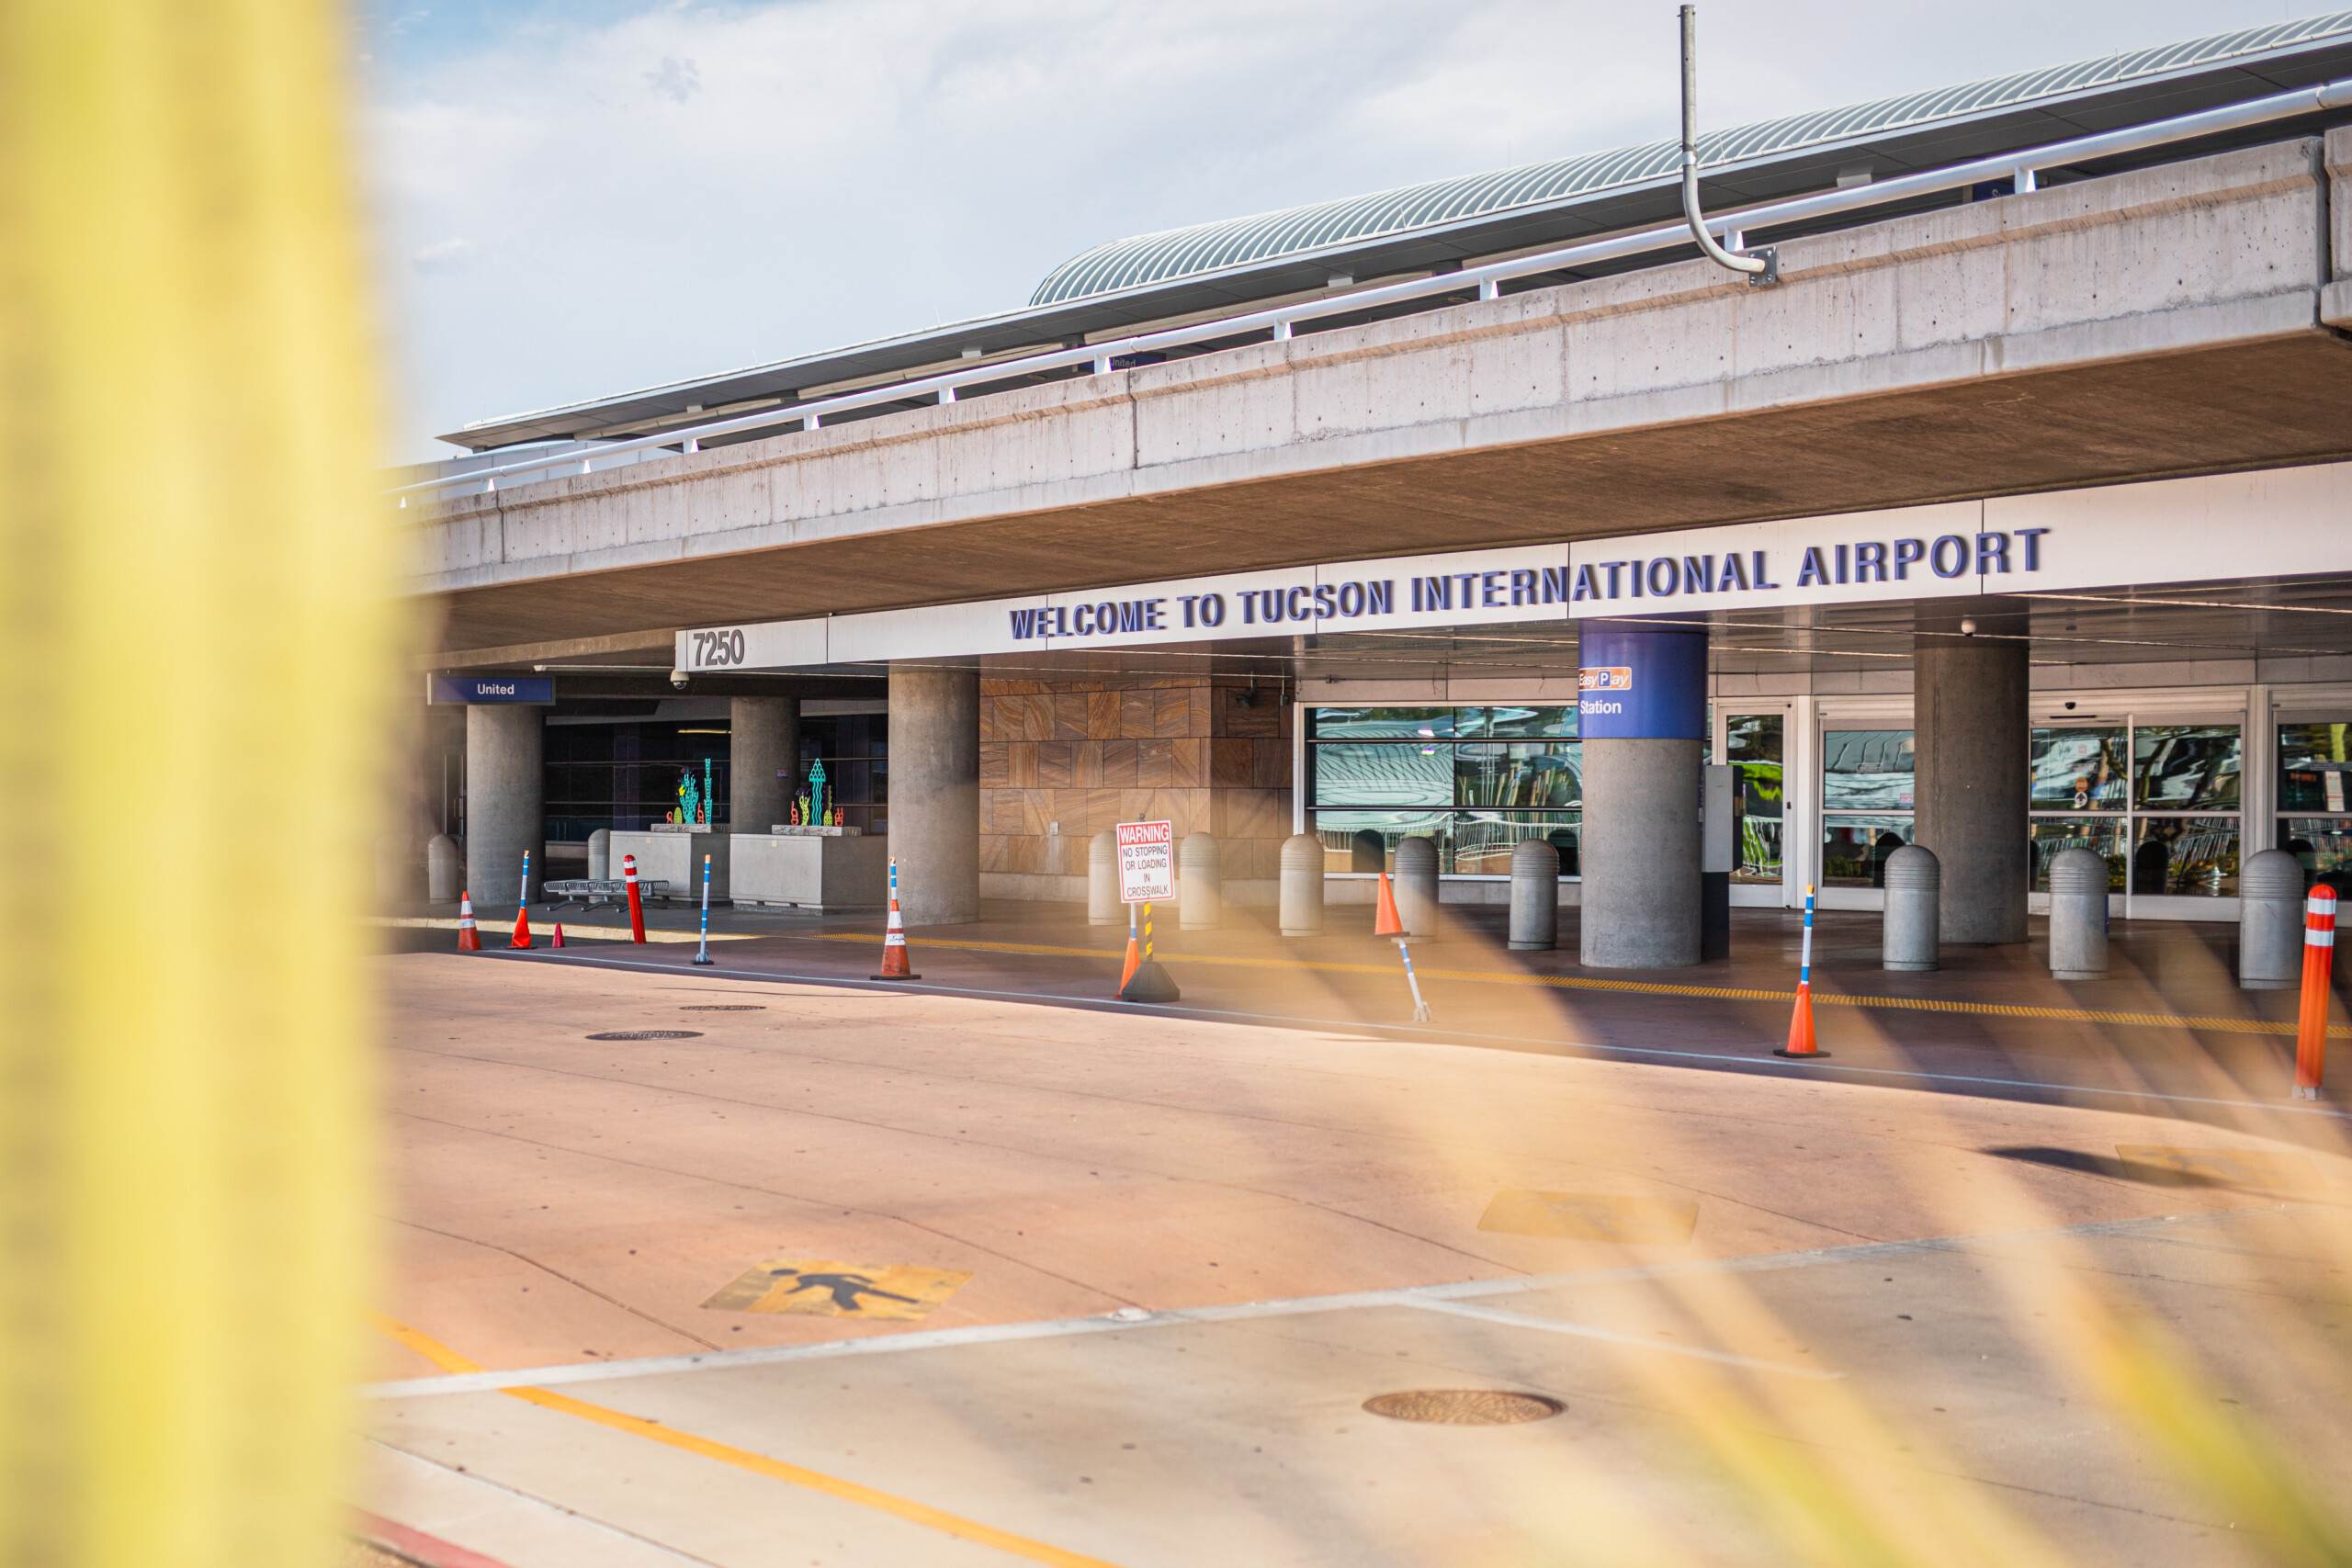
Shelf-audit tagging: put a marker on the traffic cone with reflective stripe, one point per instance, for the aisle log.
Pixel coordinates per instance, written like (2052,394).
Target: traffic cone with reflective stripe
(896,964)
(469,938)
(559,935)
(1383,921)
(522,937)
(2318,959)
(1802,1046)
(1135,952)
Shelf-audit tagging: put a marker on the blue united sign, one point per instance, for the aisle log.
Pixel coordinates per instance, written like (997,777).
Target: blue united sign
(493,689)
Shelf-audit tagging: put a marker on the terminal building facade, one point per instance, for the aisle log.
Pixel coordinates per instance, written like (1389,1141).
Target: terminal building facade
(2015,516)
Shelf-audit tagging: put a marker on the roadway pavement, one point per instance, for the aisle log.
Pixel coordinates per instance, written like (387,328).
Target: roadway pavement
(1119,1282)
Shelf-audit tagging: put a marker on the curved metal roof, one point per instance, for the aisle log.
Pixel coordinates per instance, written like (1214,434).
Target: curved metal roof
(1212,247)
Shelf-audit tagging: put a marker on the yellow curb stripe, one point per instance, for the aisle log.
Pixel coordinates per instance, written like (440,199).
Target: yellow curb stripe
(744,1459)
(1651,987)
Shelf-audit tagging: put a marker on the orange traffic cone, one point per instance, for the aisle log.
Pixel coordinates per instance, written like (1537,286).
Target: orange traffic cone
(1135,952)
(1802,1046)
(522,937)
(469,938)
(1385,921)
(559,935)
(896,964)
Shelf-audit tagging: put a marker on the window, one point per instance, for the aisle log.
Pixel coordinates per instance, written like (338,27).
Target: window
(2312,765)
(2166,823)
(1866,803)
(1752,745)
(1475,780)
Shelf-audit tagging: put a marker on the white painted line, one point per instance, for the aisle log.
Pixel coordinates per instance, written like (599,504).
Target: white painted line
(1777,1069)
(1586,1331)
(1408,1295)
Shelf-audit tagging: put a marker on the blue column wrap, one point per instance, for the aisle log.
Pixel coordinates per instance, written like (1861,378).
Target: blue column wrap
(1642,684)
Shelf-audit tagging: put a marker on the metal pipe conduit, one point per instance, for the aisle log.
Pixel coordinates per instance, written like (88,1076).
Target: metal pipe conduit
(1486,279)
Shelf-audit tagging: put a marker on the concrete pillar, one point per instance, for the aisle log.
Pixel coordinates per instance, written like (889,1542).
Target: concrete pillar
(1301,910)
(1970,732)
(1199,899)
(1642,742)
(1534,896)
(936,792)
(2079,916)
(2270,923)
(1417,887)
(505,800)
(1908,932)
(1102,906)
(763,740)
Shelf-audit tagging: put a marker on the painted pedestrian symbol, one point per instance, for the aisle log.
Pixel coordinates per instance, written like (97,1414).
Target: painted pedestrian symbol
(827,1287)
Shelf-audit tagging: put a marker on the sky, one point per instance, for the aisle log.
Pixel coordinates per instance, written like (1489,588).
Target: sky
(577,198)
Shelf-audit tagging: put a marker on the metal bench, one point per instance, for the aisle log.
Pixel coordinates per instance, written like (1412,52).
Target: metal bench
(588,892)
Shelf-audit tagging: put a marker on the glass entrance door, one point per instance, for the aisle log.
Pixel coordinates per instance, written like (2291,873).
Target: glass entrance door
(1755,744)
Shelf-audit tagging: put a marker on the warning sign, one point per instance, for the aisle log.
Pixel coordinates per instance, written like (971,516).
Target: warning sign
(824,1287)
(1146,863)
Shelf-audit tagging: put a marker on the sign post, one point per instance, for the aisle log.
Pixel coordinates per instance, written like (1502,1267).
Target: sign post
(1146,875)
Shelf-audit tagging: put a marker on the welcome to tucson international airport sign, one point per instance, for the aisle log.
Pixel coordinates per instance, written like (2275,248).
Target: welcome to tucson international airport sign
(2282,522)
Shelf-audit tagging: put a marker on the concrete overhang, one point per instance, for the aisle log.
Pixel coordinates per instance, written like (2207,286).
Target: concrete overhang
(2163,321)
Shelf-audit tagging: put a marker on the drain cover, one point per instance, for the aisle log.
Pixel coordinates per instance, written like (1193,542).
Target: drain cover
(650,1035)
(1463,1407)
(725,1007)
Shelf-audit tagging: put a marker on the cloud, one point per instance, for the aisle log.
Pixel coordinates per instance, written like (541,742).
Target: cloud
(447,255)
(859,168)
(674,80)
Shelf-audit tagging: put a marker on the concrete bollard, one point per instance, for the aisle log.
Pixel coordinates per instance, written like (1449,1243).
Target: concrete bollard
(1534,896)
(2079,916)
(445,865)
(2270,923)
(1416,887)
(1102,906)
(1908,934)
(600,855)
(1301,912)
(1200,886)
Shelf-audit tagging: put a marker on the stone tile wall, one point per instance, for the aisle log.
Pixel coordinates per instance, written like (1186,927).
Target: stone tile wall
(1062,761)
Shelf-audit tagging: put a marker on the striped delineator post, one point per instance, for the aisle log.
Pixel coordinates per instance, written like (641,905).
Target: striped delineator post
(522,937)
(702,949)
(2318,961)
(469,937)
(1802,1047)
(636,902)
(896,964)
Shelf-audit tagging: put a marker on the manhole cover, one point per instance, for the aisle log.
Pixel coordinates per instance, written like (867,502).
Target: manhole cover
(650,1035)
(725,1007)
(1463,1407)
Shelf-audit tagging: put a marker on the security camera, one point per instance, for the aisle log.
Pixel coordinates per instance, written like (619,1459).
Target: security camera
(678,678)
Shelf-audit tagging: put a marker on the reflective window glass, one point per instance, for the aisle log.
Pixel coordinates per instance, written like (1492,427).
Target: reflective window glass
(1532,776)
(2053,835)
(2185,767)
(1854,849)
(2313,767)
(1383,775)
(2077,770)
(2323,844)
(1389,724)
(1752,744)
(2187,857)
(1530,723)
(1866,770)
(1483,841)
(1367,840)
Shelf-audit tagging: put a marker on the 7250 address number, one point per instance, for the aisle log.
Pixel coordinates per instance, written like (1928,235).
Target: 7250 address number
(715,650)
